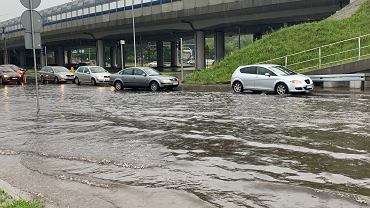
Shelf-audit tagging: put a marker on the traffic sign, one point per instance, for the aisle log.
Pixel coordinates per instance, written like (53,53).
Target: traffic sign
(27,3)
(27,23)
(28,40)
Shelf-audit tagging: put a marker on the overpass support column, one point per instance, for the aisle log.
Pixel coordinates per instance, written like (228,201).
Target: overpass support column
(174,54)
(22,58)
(42,58)
(60,56)
(200,41)
(113,56)
(160,59)
(220,45)
(69,56)
(100,53)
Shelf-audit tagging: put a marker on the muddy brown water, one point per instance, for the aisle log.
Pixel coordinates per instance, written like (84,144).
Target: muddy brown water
(229,150)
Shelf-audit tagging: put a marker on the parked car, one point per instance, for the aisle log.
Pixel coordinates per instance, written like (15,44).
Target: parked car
(92,74)
(268,77)
(17,69)
(153,64)
(142,77)
(56,74)
(8,75)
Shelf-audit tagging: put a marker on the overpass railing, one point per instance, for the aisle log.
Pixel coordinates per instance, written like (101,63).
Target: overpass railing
(81,9)
(341,52)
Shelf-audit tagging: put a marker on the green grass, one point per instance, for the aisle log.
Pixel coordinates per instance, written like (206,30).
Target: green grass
(290,40)
(7,201)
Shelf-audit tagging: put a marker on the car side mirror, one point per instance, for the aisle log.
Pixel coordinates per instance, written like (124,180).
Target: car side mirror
(144,75)
(87,72)
(268,75)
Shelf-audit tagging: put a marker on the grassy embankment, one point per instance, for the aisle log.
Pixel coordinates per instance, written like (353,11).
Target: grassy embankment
(294,39)
(7,202)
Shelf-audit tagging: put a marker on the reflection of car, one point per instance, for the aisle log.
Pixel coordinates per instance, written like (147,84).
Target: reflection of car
(8,75)
(143,77)
(267,77)
(55,73)
(92,74)
(17,69)
(153,64)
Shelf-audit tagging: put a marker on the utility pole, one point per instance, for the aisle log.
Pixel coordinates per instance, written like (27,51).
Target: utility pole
(134,30)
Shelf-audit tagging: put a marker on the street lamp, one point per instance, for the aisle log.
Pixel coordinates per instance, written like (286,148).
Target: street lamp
(133,29)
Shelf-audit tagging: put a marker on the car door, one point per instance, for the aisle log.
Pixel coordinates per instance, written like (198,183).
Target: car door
(79,73)
(140,78)
(48,74)
(265,79)
(248,75)
(86,76)
(128,77)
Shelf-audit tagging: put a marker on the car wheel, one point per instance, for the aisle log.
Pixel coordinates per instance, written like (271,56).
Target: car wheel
(56,80)
(77,81)
(238,87)
(154,86)
(118,85)
(93,81)
(281,89)
(1,81)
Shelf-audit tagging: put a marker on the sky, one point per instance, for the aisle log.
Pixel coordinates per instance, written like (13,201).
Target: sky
(13,8)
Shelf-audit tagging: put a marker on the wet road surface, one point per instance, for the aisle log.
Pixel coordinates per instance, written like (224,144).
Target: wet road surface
(225,149)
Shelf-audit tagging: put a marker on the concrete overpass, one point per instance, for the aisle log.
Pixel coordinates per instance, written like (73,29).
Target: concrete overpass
(102,23)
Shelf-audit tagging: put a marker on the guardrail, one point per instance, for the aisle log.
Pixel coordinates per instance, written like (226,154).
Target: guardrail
(338,77)
(81,9)
(345,51)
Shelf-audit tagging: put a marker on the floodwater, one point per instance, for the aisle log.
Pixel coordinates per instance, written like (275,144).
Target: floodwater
(226,149)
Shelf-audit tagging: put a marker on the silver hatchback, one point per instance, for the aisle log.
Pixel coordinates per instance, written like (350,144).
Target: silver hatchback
(269,78)
(92,74)
(142,77)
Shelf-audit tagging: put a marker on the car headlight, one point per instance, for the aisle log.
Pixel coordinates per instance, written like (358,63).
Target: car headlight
(297,82)
(166,81)
(6,76)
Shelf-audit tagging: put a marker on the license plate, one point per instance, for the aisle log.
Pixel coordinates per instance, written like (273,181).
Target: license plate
(175,83)
(309,87)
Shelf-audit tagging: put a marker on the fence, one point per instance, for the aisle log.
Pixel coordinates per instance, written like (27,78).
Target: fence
(333,54)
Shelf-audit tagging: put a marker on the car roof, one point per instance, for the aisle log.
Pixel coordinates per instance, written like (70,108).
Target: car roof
(262,65)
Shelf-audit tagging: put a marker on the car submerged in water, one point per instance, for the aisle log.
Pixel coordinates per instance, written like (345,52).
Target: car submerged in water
(93,75)
(142,77)
(269,78)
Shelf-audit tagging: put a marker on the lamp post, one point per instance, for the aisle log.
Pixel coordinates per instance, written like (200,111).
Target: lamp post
(134,30)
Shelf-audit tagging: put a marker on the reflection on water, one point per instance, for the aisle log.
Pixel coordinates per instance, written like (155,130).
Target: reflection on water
(230,150)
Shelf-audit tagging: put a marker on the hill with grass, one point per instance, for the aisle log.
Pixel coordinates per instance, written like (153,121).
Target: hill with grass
(286,41)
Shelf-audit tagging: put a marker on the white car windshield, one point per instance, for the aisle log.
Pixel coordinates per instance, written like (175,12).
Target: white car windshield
(151,72)
(97,69)
(282,71)
(60,69)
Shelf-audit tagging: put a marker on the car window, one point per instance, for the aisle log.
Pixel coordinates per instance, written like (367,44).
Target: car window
(249,70)
(80,70)
(263,71)
(86,70)
(139,72)
(128,72)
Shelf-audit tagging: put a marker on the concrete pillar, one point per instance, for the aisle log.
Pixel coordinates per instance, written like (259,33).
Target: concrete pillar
(22,58)
(60,56)
(113,56)
(119,57)
(174,54)
(220,45)
(335,84)
(69,56)
(42,58)
(355,84)
(200,41)
(100,53)
(160,58)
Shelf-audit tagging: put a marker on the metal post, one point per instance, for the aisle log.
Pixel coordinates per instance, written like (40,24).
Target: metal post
(122,67)
(182,61)
(320,63)
(34,57)
(46,57)
(359,48)
(134,31)
(286,61)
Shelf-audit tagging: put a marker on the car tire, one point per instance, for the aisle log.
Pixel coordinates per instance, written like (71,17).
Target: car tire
(56,80)
(1,81)
(238,87)
(154,86)
(93,81)
(77,81)
(281,89)
(118,85)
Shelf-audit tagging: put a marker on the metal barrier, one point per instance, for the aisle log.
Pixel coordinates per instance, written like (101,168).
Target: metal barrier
(81,9)
(338,77)
(333,54)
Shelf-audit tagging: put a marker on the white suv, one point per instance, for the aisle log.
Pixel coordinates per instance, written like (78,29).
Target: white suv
(92,74)
(268,77)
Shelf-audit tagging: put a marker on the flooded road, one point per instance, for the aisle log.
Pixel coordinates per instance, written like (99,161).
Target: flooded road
(226,149)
